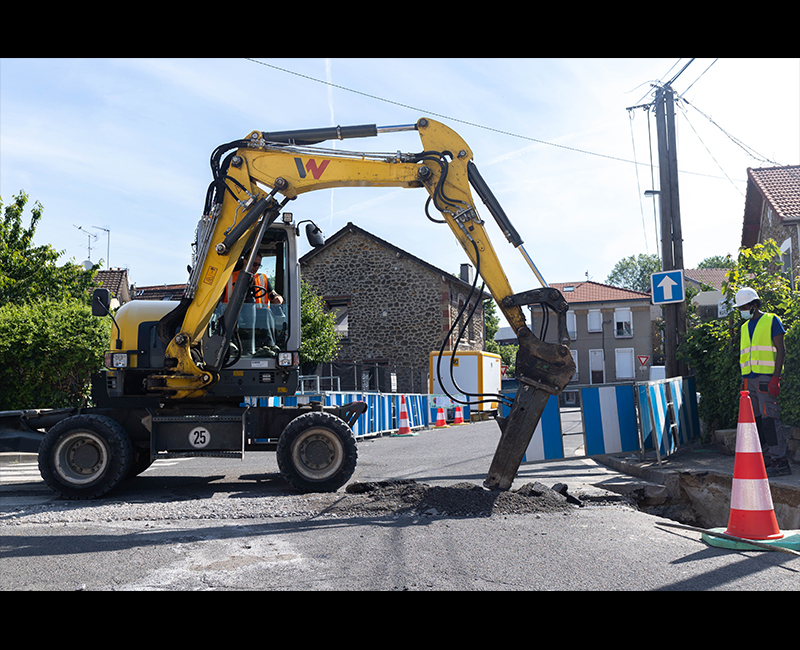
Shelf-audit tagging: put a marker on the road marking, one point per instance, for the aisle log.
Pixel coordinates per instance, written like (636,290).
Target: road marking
(12,473)
(20,473)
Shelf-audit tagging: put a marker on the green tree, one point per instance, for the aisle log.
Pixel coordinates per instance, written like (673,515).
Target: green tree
(30,273)
(491,323)
(717,262)
(634,272)
(50,344)
(319,342)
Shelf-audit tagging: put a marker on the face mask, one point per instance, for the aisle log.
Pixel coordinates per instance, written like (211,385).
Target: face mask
(746,314)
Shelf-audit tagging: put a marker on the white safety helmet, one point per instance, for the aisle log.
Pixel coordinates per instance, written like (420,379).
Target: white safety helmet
(745,296)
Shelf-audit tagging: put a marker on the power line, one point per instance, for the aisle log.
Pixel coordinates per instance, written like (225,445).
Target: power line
(455,119)
(669,83)
(748,150)
(638,186)
(686,117)
(701,74)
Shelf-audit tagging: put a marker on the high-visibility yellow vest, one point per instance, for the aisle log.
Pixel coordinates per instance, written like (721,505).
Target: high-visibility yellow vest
(758,355)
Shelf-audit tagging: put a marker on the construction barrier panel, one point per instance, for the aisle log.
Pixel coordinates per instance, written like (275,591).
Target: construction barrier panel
(547,441)
(609,419)
(668,416)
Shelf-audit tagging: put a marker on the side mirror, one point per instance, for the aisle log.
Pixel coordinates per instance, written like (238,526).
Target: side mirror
(314,235)
(101,301)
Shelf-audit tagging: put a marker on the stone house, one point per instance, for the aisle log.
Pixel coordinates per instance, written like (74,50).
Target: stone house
(392,309)
(772,211)
(610,329)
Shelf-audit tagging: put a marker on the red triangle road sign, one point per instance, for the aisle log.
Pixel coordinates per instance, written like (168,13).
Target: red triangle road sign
(643,359)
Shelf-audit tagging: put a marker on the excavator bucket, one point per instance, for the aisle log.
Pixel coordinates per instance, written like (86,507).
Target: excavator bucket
(516,433)
(544,369)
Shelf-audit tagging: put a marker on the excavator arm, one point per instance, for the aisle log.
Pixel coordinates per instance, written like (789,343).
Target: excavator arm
(285,165)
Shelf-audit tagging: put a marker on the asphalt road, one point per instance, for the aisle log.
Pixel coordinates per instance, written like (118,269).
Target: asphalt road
(202,524)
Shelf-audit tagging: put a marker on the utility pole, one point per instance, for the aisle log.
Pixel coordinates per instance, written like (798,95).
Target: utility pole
(671,234)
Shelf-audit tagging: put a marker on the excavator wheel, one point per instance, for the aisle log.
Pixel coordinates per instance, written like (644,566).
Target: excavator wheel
(85,456)
(317,452)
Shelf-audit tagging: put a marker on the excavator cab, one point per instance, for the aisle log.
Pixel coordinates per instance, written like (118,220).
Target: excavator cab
(262,358)
(262,329)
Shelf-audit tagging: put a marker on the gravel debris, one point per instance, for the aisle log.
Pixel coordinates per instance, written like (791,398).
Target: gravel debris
(398,498)
(407,497)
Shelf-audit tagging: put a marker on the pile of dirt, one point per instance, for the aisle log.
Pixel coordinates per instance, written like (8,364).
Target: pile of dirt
(407,497)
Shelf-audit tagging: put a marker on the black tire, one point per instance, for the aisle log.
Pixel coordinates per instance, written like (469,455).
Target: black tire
(141,462)
(85,456)
(317,452)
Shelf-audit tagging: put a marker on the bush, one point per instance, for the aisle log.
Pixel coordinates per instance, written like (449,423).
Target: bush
(713,353)
(48,352)
(789,400)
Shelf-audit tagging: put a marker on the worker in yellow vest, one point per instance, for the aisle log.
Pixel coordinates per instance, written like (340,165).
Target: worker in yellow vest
(761,355)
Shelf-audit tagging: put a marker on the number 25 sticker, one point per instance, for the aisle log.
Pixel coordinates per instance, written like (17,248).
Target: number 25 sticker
(199,437)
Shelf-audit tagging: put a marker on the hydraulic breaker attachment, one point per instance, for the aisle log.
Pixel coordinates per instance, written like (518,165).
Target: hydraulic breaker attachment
(543,369)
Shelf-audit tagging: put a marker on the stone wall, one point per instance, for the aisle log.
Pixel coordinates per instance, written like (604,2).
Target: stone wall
(772,227)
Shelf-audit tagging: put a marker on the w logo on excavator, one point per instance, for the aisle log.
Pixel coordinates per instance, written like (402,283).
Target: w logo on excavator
(311,166)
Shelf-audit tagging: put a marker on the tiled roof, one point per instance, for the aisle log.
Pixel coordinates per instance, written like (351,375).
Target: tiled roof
(115,280)
(711,277)
(111,279)
(159,292)
(780,187)
(588,291)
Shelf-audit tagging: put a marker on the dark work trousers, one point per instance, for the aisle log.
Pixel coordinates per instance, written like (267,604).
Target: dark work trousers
(771,431)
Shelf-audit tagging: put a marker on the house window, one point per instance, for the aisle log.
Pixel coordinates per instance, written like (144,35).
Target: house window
(595,320)
(623,323)
(572,325)
(623,358)
(340,309)
(786,260)
(574,354)
(597,366)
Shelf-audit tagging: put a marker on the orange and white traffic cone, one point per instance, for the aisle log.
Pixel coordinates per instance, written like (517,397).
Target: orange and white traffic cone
(459,418)
(752,515)
(404,429)
(441,423)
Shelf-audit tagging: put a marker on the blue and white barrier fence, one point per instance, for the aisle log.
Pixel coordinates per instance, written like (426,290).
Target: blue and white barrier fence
(617,418)
(662,430)
(622,418)
(383,409)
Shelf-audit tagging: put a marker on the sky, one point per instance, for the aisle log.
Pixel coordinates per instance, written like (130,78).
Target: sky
(117,150)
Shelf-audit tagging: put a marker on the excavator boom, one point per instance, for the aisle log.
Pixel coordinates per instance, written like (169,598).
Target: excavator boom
(287,164)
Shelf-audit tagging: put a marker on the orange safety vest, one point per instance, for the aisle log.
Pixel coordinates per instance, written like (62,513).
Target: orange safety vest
(259,280)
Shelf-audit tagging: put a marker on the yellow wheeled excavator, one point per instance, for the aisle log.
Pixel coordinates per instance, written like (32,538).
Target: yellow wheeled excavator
(185,378)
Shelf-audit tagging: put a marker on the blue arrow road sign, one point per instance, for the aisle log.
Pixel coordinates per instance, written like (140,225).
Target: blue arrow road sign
(667,287)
